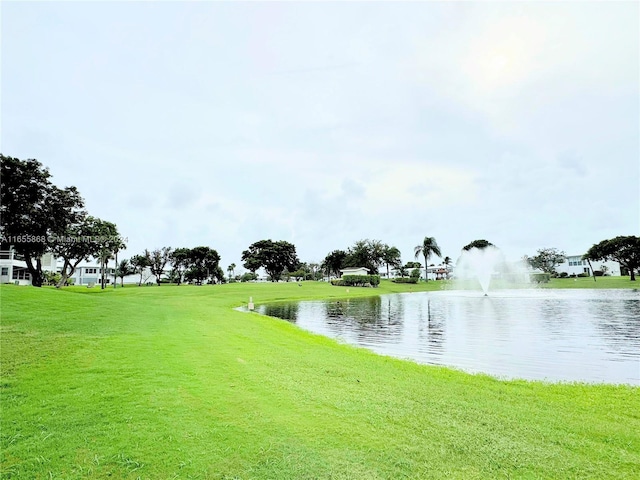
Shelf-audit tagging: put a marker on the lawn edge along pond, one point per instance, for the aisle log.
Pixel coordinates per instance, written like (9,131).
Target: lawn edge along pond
(172,382)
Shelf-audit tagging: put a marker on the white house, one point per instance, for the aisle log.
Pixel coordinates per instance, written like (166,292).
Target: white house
(13,267)
(575,265)
(354,271)
(91,274)
(436,272)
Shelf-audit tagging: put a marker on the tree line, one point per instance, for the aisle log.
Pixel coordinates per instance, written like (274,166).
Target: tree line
(39,217)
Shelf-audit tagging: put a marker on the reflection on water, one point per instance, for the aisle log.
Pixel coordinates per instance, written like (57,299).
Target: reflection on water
(567,335)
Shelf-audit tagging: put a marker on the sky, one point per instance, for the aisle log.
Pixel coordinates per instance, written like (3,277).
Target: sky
(221,124)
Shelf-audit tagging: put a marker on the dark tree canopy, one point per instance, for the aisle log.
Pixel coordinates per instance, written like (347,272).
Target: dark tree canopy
(202,263)
(274,257)
(480,244)
(623,249)
(180,261)
(366,253)
(333,262)
(34,211)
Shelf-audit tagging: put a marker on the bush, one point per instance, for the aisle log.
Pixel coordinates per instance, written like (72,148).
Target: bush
(248,277)
(563,275)
(583,275)
(540,277)
(361,280)
(598,273)
(337,282)
(405,280)
(415,273)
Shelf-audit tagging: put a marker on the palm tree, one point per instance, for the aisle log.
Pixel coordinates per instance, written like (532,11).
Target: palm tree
(124,269)
(391,256)
(233,269)
(429,246)
(447,262)
(230,270)
(103,257)
(115,249)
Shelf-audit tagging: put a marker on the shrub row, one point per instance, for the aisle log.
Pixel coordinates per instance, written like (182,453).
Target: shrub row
(405,280)
(540,277)
(357,281)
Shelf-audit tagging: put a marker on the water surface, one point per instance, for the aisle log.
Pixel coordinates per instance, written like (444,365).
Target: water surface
(555,335)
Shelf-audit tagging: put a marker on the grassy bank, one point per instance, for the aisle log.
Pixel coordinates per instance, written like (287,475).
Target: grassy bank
(171,382)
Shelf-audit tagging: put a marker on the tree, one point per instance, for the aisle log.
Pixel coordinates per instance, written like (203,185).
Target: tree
(180,261)
(251,262)
(157,260)
(402,270)
(315,273)
(623,249)
(547,259)
(102,258)
(123,269)
(231,270)
(139,264)
(365,253)
(447,264)
(78,243)
(274,257)
(107,244)
(33,210)
(218,275)
(429,247)
(119,245)
(248,277)
(333,262)
(203,263)
(479,244)
(391,257)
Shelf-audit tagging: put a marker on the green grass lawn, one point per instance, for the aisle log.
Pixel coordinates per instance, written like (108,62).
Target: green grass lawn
(171,382)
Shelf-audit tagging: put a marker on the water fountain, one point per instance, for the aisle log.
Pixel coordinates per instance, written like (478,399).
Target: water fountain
(483,265)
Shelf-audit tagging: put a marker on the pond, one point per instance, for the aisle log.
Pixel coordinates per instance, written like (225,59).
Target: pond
(553,335)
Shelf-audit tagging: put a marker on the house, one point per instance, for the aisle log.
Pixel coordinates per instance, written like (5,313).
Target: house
(91,275)
(575,265)
(13,267)
(354,271)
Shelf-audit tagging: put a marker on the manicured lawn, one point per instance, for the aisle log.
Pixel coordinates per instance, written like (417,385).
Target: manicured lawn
(588,282)
(171,382)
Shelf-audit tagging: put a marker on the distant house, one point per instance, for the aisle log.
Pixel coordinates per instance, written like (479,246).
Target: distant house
(575,265)
(354,271)
(92,275)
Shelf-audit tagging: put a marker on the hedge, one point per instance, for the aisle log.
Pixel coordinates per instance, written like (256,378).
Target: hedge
(540,277)
(405,280)
(361,280)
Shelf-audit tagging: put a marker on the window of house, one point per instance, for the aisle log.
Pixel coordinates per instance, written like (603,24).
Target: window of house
(5,271)
(21,275)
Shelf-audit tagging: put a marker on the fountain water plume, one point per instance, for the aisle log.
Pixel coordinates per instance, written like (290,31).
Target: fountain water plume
(482,265)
